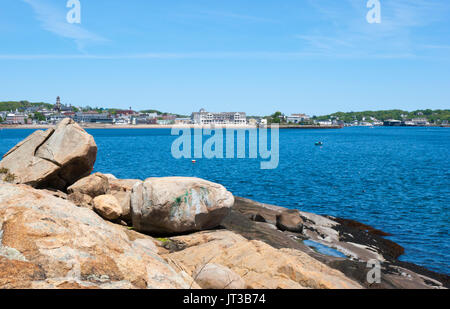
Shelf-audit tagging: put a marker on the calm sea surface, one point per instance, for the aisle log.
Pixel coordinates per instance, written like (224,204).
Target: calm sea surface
(395,179)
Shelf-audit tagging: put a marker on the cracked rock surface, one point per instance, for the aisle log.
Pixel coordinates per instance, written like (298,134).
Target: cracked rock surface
(55,158)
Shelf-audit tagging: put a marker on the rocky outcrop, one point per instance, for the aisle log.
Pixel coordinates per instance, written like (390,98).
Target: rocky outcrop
(48,242)
(178,205)
(258,264)
(360,243)
(214,276)
(55,158)
(107,206)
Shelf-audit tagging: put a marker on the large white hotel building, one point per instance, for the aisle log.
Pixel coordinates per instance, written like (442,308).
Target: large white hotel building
(204,118)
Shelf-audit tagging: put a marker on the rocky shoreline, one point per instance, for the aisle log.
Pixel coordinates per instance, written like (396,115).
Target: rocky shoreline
(358,241)
(63,227)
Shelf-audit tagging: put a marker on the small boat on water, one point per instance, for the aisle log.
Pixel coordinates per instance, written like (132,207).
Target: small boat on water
(319,143)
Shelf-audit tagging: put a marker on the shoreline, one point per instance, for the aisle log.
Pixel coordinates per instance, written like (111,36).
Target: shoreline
(175,126)
(191,126)
(358,240)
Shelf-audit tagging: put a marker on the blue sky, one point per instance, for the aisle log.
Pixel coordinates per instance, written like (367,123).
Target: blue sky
(313,56)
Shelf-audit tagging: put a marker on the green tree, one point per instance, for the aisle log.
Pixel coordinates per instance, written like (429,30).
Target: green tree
(39,116)
(276,117)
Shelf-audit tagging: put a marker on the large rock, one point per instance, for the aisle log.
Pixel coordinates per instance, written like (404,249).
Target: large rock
(290,220)
(92,185)
(177,205)
(121,190)
(261,266)
(48,242)
(107,206)
(55,158)
(214,276)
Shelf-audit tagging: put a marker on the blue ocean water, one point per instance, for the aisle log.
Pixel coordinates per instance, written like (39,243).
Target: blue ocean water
(394,179)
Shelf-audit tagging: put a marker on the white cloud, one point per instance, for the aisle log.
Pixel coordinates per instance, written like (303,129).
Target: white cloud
(53,19)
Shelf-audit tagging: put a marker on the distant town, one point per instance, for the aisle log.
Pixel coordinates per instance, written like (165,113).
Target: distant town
(17,113)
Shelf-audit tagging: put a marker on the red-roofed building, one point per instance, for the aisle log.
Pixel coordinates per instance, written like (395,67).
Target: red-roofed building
(125,112)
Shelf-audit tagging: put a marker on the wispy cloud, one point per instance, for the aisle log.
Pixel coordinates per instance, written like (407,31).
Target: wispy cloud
(343,28)
(53,19)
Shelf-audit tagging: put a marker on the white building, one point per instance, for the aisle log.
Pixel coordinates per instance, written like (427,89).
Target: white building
(297,118)
(420,121)
(205,118)
(262,122)
(324,122)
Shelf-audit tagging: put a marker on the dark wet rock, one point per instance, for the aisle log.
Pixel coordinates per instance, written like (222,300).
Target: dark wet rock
(360,226)
(351,231)
(290,220)
(241,224)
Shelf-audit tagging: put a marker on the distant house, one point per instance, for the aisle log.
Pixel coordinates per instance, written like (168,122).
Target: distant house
(392,123)
(408,123)
(420,121)
(297,118)
(164,122)
(15,118)
(150,115)
(68,114)
(93,117)
(262,122)
(252,121)
(125,113)
(182,120)
(143,119)
(324,123)
(377,123)
(169,117)
(56,118)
